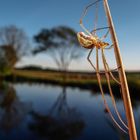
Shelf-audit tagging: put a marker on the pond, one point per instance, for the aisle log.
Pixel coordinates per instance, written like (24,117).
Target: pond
(49,112)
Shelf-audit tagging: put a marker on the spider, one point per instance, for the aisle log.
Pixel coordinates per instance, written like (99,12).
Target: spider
(90,40)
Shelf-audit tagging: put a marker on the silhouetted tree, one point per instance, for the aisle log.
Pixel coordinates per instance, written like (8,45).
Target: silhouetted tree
(12,110)
(62,122)
(14,43)
(61,43)
(3,63)
(4,69)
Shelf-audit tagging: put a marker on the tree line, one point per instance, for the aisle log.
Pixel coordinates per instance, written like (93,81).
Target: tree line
(60,43)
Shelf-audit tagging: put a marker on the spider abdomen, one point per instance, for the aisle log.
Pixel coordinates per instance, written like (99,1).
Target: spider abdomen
(90,42)
(86,41)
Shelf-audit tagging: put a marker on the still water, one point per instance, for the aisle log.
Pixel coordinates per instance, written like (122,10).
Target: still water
(48,112)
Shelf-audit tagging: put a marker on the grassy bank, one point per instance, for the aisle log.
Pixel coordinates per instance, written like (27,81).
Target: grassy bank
(82,79)
(60,77)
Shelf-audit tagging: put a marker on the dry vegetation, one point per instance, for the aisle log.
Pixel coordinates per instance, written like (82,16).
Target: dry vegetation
(71,77)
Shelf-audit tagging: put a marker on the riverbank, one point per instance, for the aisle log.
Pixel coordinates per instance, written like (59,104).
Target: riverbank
(86,80)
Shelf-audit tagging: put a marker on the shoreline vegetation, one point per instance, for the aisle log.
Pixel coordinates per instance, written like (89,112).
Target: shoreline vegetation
(84,80)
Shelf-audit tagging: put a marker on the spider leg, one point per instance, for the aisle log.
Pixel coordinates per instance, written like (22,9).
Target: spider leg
(96,19)
(98,29)
(102,38)
(84,14)
(99,80)
(102,92)
(112,76)
(97,73)
(118,82)
(110,89)
(88,58)
(110,47)
(113,70)
(108,69)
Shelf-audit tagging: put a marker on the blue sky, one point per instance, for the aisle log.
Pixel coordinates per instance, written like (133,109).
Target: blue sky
(33,15)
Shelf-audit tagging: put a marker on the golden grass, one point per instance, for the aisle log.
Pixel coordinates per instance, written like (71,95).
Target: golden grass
(70,77)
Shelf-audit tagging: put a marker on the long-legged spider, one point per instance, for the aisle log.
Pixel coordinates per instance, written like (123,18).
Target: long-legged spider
(90,41)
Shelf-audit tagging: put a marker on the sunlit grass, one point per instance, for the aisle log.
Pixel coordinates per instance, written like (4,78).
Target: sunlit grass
(77,78)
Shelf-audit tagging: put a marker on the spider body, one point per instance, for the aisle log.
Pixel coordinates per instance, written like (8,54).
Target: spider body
(90,42)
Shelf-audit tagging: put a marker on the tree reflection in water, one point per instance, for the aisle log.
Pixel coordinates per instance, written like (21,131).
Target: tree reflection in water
(12,110)
(62,122)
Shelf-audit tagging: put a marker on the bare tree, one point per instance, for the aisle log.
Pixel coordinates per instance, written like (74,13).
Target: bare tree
(60,43)
(14,42)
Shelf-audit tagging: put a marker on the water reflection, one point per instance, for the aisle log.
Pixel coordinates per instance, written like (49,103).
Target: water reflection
(62,121)
(12,110)
(39,111)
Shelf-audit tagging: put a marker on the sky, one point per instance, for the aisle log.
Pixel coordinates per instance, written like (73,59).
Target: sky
(33,15)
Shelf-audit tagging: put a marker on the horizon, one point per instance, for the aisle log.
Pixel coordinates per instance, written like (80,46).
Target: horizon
(50,13)
(69,70)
